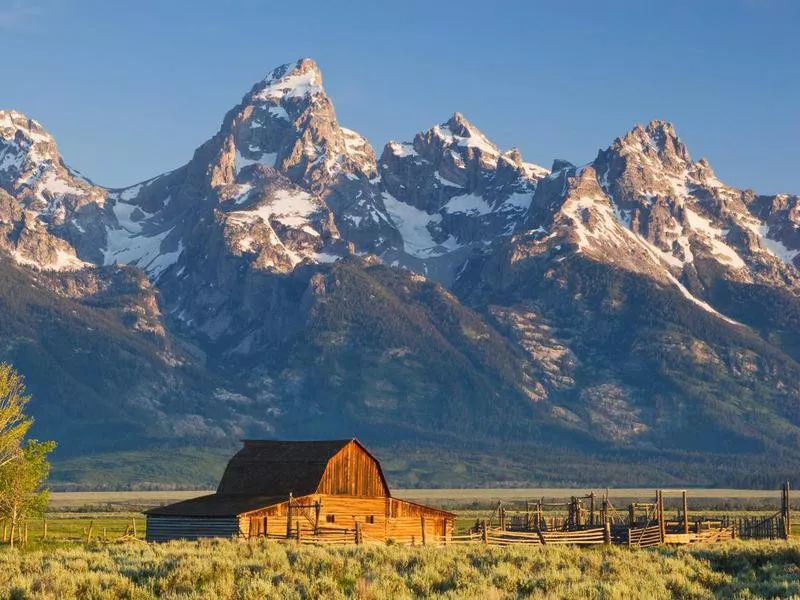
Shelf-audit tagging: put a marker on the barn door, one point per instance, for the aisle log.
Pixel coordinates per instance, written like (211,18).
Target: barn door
(254,523)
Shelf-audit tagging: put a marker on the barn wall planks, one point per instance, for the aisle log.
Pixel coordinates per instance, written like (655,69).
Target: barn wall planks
(353,472)
(161,528)
(378,518)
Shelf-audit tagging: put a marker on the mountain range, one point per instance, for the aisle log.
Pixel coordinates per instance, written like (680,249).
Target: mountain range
(475,318)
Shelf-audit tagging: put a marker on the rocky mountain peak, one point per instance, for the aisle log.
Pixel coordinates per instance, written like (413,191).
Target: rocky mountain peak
(287,121)
(25,147)
(644,206)
(559,164)
(657,144)
(460,127)
(293,80)
(14,124)
(37,219)
(452,192)
(31,165)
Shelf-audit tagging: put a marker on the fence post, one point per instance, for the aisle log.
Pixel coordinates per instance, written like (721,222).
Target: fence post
(297,529)
(607,532)
(685,512)
(289,518)
(484,532)
(422,526)
(787,514)
(358,532)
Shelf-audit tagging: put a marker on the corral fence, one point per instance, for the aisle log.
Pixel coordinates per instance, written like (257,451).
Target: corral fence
(582,521)
(589,520)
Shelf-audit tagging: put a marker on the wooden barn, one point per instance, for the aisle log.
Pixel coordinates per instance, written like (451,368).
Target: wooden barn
(301,490)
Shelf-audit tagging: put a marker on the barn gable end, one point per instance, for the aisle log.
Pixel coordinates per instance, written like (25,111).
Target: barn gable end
(353,471)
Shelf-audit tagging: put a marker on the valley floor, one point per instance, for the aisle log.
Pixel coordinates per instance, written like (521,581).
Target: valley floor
(263,569)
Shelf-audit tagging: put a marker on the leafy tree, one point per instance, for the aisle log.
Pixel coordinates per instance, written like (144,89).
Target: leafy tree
(23,465)
(14,423)
(21,493)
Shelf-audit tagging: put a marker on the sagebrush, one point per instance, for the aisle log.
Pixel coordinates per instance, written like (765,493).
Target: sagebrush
(262,569)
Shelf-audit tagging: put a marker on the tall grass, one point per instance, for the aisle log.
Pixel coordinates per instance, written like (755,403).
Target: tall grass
(258,569)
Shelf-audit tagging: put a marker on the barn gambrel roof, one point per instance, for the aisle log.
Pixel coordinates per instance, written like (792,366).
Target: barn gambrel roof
(264,473)
(278,468)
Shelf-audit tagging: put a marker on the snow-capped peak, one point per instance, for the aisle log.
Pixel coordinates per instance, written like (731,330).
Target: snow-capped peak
(300,79)
(657,142)
(24,144)
(460,132)
(31,169)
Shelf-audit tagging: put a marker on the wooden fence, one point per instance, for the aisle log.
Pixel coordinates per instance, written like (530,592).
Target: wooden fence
(644,537)
(587,522)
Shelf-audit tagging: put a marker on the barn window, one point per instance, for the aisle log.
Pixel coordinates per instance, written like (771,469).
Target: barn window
(370,518)
(330,518)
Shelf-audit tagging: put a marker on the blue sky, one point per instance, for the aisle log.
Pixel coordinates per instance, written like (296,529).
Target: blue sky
(130,89)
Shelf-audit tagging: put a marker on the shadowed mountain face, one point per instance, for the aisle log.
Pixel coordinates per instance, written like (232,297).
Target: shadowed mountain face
(485,318)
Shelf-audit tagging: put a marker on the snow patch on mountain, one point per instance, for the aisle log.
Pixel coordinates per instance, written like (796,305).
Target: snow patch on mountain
(415,227)
(291,208)
(265,158)
(128,243)
(472,204)
(775,247)
(714,235)
(63,261)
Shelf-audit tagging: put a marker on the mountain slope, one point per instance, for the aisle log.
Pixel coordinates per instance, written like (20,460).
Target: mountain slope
(646,312)
(448,301)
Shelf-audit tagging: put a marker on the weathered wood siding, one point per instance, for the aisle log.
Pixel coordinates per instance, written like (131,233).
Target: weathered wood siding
(163,528)
(379,518)
(406,508)
(353,472)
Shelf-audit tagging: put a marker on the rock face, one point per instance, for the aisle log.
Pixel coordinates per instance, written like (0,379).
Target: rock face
(449,295)
(452,193)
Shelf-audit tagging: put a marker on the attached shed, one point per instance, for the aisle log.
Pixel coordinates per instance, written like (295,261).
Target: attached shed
(285,489)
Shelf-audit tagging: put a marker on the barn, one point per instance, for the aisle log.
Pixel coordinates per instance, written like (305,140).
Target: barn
(304,490)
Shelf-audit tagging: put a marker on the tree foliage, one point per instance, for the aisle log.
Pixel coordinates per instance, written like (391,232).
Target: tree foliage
(14,424)
(23,464)
(21,493)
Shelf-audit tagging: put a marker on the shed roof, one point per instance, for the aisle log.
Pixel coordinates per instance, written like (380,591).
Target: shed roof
(277,468)
(216,505)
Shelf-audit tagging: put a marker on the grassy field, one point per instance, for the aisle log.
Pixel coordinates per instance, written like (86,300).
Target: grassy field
(448,498)
(114,564)
(259,569)
(92,501)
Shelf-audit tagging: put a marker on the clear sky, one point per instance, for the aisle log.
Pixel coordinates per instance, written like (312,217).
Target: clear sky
(130,89)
